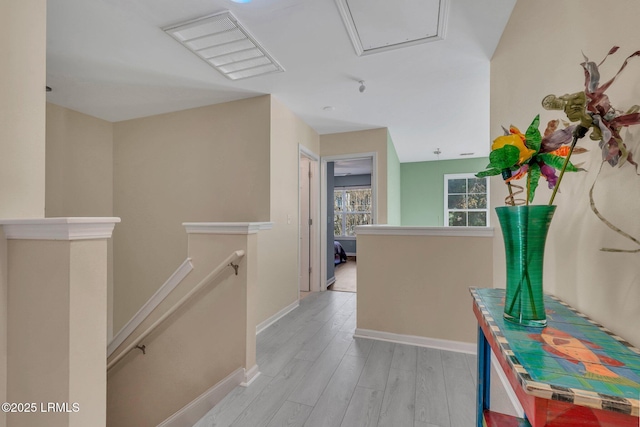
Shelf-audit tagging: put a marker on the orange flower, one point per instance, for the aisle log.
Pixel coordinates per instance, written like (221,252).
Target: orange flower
(516,139)
(562,151)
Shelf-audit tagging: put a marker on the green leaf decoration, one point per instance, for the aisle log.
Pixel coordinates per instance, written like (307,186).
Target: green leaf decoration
(488,172)
(533,137)
(556,162)
(534,177)
(504,157)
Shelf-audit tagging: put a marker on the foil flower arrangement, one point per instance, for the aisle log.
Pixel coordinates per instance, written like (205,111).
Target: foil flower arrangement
(532,155)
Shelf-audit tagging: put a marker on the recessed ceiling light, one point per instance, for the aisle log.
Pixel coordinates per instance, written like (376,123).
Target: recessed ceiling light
(241,1)
(226,45)
(329,108)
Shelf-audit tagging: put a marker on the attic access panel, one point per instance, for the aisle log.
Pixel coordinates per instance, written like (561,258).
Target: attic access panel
(379,25)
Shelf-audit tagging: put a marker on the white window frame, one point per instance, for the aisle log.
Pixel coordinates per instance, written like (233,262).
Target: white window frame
(344,216)
(450,176)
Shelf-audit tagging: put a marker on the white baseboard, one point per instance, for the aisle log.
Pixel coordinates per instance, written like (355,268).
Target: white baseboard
(457,346)
(273,319)
(196,409)
(250,376)
(331,281)
(507,386)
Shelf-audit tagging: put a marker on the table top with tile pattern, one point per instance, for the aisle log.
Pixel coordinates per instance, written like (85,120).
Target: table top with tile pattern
(574,359)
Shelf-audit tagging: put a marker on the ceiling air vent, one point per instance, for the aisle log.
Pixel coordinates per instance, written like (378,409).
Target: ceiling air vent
(225,45)
(380,25)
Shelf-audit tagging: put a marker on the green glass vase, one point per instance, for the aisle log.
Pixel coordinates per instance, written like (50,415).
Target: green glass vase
(524,230)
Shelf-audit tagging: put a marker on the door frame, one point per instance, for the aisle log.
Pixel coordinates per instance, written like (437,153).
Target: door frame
(323,203)
(314,213)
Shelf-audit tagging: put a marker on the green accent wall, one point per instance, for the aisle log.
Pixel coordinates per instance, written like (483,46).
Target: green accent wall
(394,188)
(422,192)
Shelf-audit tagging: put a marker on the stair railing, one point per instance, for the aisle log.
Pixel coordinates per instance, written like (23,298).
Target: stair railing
(228,262)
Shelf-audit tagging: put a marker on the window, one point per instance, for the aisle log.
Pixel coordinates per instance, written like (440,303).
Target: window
(352,207)
(466,201)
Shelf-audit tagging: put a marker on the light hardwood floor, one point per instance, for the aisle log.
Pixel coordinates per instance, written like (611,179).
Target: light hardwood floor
(346,277)
(314,373)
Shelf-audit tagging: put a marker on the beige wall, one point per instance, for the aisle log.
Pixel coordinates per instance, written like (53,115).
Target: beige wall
(365,141)
(79,173)
(3,323)
(22,108)
(22,129)
(278,260)
(203,164)
(415,286)
(79,164)
(57,355)
(540,53)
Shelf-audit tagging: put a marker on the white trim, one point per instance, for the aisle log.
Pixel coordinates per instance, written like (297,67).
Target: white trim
(226,227)
(198,408)
(350,26)
(314,214)
(392,230)
(445,179)
(507,387)
(331,281)
(308,153)
(279,315)
(250,376)
(345,238)
(67,228)
(155,300)
(351,253)
(457,346)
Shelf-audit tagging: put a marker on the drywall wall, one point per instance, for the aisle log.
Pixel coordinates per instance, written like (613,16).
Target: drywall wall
(352,181)
(57,355)
(539,54)
(278,247)
(431,297)
(141,388)
(394,185)
(423,189)
(206,164)
(22,108)
(22,129)
(79,173)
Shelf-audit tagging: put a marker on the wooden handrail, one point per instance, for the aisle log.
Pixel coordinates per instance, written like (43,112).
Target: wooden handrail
(204,282)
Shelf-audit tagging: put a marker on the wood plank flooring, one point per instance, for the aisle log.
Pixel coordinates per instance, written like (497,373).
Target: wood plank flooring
(346,277)
(314,373)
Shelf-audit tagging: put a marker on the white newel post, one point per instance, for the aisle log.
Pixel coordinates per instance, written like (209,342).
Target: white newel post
(56,320)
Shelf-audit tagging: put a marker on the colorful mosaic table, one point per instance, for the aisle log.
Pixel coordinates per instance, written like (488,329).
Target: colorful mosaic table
(574,372)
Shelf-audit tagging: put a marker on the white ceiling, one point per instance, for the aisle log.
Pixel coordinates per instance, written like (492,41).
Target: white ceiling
(111,59)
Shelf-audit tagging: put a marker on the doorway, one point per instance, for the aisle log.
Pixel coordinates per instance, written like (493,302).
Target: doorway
(308,223)
(349,193)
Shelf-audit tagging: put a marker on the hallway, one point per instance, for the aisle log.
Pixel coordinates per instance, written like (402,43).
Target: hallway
(314,373)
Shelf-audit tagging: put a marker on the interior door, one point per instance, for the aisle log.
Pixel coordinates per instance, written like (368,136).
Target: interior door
(305,224)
